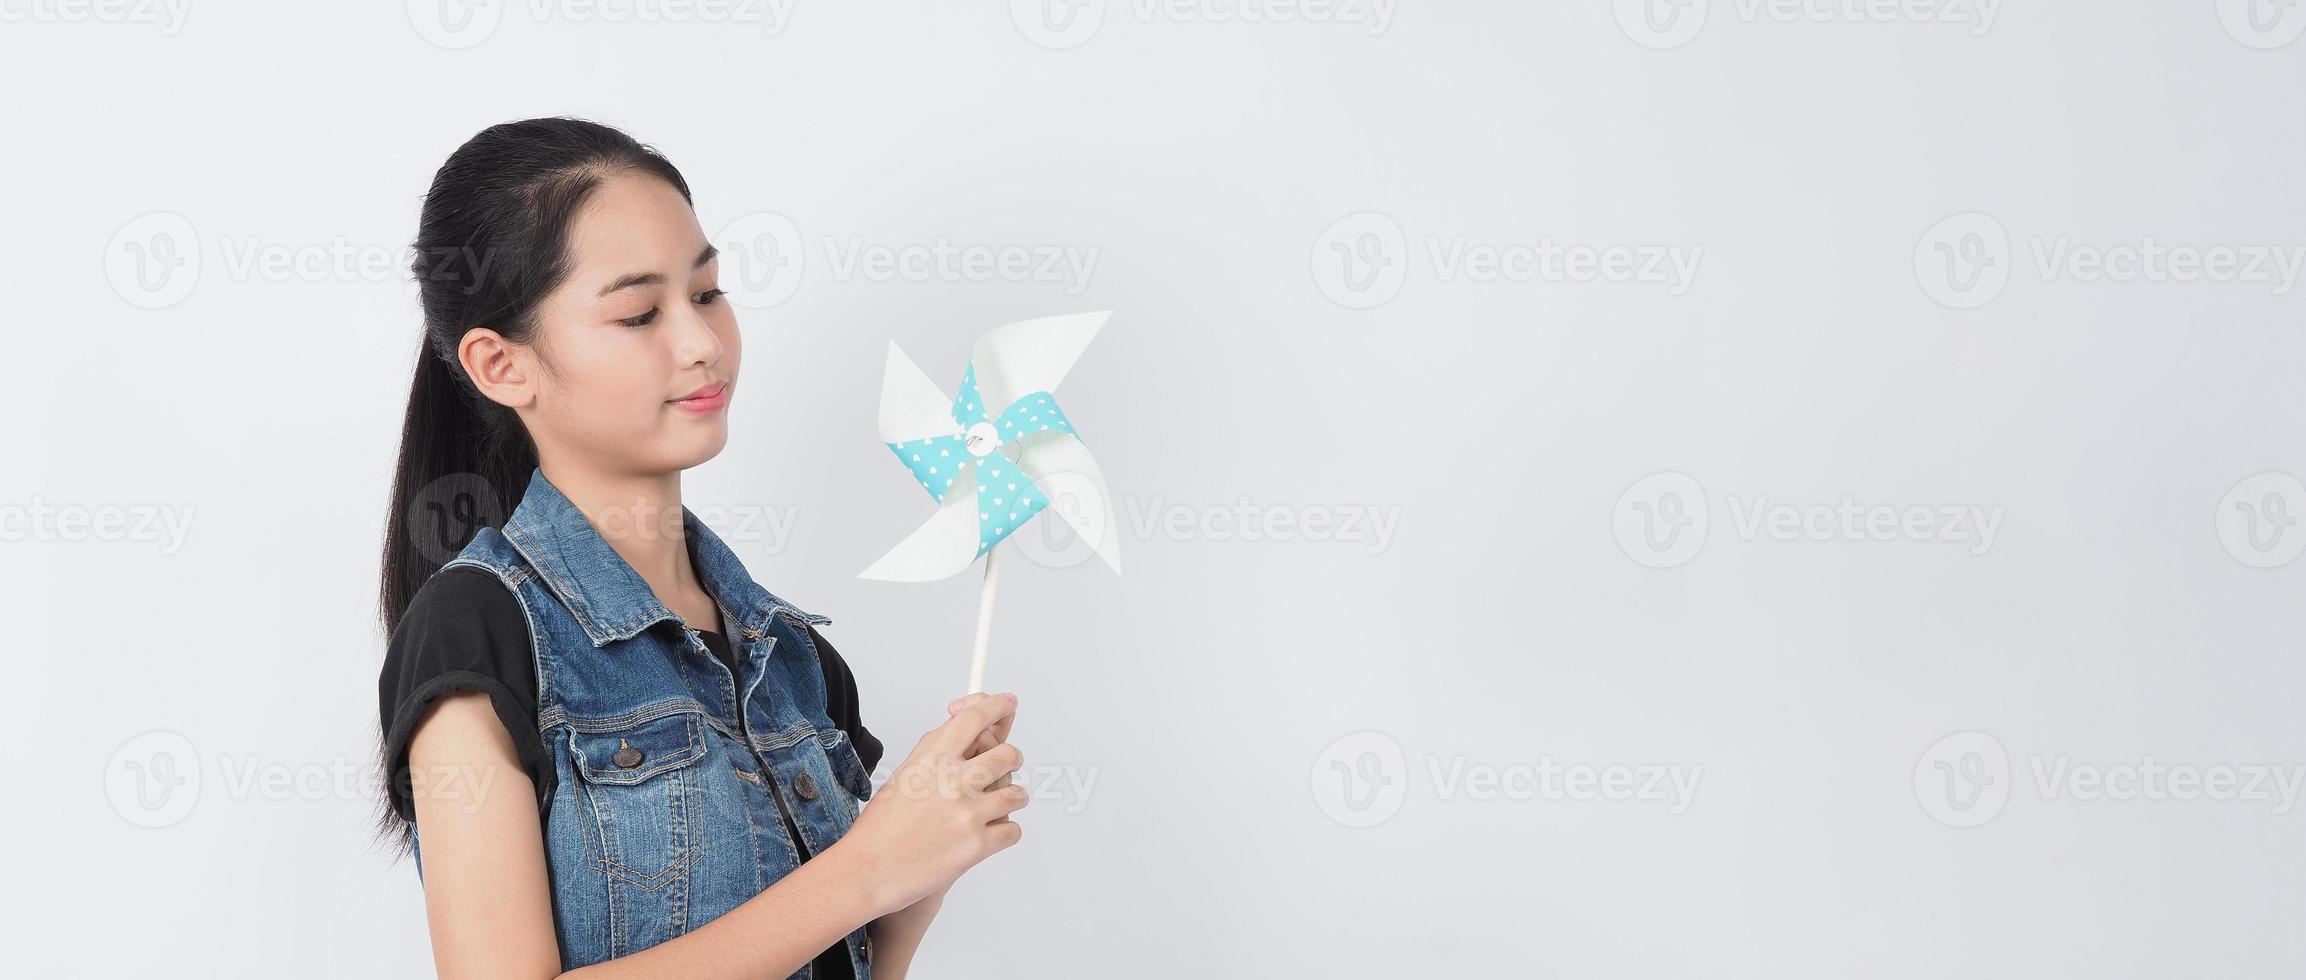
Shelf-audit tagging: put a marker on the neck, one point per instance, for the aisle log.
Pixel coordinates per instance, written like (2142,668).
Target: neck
(639,515)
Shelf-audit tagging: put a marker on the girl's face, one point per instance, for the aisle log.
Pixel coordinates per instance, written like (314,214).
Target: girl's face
(641,348)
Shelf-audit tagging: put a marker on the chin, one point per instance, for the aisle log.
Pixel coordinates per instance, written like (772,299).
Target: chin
(700,447)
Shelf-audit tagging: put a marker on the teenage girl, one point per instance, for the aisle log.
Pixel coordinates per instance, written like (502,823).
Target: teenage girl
(609,749)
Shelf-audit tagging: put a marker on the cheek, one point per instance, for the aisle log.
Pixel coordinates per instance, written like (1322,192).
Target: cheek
(732,344)
(603,384)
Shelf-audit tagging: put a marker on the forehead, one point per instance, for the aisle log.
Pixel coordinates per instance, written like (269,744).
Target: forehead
(634,222)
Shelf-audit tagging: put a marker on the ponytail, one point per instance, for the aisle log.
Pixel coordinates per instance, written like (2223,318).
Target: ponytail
(464,462)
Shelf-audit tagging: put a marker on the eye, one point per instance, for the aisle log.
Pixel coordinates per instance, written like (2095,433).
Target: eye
(642,320)
(708,297)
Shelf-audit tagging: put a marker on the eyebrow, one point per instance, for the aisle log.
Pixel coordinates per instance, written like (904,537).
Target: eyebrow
(630,280)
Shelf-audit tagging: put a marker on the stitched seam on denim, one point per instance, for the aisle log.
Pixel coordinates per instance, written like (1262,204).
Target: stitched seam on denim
(679,899)
(795,735)
(644,713)
(563,589)
(716,725)
(816,678)
(752,828)
(540,658)
(652,882)
(596,846)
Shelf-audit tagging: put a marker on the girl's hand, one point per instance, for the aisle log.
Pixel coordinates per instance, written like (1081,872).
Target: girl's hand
(991,737)
(943,810)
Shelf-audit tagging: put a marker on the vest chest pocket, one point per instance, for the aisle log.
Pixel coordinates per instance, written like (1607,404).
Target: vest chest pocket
(639,785)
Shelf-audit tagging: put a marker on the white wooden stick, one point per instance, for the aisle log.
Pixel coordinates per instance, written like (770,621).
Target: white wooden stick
(984,620)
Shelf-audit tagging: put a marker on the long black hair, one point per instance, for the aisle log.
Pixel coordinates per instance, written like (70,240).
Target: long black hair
(491,244)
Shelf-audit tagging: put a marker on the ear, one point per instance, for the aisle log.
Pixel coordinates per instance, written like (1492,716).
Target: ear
(504,373)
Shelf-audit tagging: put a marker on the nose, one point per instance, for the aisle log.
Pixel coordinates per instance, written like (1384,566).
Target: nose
(697,342)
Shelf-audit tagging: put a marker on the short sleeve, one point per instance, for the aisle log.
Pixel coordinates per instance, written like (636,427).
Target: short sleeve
(841,701)
(464,631)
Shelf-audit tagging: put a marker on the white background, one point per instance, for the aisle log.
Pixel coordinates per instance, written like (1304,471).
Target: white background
(1910,747)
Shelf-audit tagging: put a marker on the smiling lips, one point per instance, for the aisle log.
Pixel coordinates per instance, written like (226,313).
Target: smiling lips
(707,399)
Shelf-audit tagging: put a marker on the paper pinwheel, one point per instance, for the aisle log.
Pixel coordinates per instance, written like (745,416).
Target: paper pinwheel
(993,456)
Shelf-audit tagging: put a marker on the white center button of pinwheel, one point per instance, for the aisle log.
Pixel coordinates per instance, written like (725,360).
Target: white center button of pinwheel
(983,439)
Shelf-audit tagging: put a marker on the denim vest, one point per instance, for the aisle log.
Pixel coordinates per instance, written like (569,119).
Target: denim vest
(672,772)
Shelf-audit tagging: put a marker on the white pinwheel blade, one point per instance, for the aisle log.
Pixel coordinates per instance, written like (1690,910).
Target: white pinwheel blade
(1065,473)
(943,546)
(912,406)
(1030,355)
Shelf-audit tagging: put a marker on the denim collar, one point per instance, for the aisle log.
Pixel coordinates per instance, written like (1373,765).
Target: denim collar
(610,600)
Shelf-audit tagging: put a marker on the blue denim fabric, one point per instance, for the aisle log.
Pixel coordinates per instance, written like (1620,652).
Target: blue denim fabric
(649,844)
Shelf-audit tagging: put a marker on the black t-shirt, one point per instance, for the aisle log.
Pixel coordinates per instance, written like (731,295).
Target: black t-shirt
(464,631)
